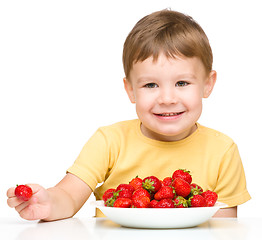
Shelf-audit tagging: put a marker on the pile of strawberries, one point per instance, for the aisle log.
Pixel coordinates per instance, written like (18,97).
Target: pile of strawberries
(177,191)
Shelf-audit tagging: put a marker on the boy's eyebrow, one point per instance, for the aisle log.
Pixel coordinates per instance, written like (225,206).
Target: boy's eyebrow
(145,78)
(186,75)
(179,76)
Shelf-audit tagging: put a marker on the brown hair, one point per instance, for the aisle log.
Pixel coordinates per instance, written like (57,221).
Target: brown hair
(168,32)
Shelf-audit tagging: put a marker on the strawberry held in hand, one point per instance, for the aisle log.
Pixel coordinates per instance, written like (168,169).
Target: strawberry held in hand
(23,192)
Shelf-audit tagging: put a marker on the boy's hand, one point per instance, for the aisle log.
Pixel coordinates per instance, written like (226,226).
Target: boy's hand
(38,206)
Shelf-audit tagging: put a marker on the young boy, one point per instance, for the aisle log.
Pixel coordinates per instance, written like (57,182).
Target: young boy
(168,66)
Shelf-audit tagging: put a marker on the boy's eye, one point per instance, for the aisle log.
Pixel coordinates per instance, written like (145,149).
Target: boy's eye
(151,85)
(181,84)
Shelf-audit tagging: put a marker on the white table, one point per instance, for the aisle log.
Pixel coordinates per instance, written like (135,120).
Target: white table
(102,228)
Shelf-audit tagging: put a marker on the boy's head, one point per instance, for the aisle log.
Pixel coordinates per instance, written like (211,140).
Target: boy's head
(168,32)
(168,65)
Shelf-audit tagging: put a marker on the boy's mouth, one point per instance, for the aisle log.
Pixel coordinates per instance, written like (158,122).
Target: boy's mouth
(169,114)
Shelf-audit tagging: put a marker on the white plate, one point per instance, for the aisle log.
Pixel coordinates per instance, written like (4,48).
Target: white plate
(159,217)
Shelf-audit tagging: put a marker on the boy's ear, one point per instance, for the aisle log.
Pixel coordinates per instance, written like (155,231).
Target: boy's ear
(129,90)
(210,83)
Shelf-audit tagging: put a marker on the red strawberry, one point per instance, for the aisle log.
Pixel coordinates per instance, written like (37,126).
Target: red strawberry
(183,174)
(123,203)
(195,189)
(140,192)
(211,197)
(136,182)
(23,192)
(180,202)
(110,197)
(181,187)
(127,187)
(167,181)
(125,194)
(109,193)
(165,192)
(153,203)
(125,191)
(197,201)
(151,184)
(165,203)
(141,202)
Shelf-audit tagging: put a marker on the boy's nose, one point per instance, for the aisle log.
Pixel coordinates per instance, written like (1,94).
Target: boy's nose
(167,96)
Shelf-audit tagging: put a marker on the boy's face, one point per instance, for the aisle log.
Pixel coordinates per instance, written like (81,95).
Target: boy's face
(168,95)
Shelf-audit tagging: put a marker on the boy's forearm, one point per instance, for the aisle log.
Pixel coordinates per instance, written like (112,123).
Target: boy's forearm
(61,204)
(226,213)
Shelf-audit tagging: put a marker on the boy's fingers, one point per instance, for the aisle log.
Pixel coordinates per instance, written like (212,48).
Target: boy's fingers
(13,201)
(21,206)
(10,192)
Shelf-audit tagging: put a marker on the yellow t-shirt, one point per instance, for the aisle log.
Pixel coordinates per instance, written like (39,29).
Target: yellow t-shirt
(117,153)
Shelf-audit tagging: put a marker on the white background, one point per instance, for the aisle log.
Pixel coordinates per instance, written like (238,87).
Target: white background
(61,78)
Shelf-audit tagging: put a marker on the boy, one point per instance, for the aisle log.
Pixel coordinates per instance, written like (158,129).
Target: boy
(168,66)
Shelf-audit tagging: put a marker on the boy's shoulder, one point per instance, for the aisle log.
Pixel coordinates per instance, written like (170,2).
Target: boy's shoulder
(121,127)
(214,135)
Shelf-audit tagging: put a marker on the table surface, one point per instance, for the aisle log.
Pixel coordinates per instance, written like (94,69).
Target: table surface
(102,228)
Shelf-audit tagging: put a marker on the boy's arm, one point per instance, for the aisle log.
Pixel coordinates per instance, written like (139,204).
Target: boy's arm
(227,212)
(61,201)
(67,197)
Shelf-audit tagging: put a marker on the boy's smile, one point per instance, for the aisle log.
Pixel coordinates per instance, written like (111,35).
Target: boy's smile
(168,94)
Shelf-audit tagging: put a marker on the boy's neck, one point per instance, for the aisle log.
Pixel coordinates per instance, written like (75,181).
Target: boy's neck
(150,134)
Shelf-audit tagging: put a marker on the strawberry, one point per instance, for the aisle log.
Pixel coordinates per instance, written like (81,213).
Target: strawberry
(141,192)
(23,192)
(151,184)
(153,203)
(165,203)
(180,202)
(165,192)
(141,202)
(110,197)
(127,187)
(125,190)
(136,182)
(109,193)
(211,197)
(123,203)
(197,201)
(181,187)
(110,201)
(124,194)
(183,174)
(167,181)
(195,189)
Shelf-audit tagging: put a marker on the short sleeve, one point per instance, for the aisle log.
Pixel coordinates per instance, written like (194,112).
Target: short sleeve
(93,161)
(231,182)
